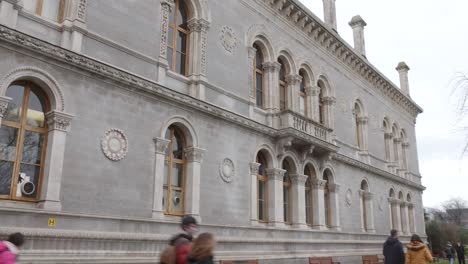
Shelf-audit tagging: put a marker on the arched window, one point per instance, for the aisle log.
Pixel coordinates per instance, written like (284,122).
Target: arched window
(391,195)
(23,141)
(396,157)
(402,211)
(310,173)
(287,192)
(262,212)
(321,105)
(386,140)
(302,94)
(364,189)
(282,85)
(174,173)
(177,48)
(326,192)
(404,149)
(258,66)
(50,9)
(359,129)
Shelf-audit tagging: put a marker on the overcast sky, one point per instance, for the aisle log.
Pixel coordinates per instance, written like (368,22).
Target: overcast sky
(432,38)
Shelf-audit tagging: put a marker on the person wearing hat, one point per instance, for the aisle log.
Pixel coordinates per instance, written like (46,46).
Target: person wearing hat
(417,252)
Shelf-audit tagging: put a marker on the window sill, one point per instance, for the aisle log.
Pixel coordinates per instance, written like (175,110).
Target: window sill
(19,204)
(260,110)
(41,20)
(178,77)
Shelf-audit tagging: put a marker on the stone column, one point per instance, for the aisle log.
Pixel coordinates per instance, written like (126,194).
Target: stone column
(298,200)
(403,69)
(160,145)
(395,206)
(310,101)
(292,92)
(404,218)
(194,157)
(4,101)
(9,12)
(318,187)
(271,90)
(411,218)
(58,124)
(74,25)
(329,103)
(335,206)
(329,13)
(253,192)
(197,62)
(163,64)
(358,24)
(368,202)
(275,197)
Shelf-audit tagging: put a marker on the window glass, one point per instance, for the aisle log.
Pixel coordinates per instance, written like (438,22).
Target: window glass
(180,63)
(177,175)
(182,15)
(32,147)
(16,93)
(51,9)
(8,140)
(36,108)
(6,171)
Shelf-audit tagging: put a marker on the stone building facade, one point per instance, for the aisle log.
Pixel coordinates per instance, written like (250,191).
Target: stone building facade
(256,117)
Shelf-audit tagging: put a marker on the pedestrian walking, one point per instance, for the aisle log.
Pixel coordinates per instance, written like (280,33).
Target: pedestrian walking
(180,245)
(418,252)
(202,249)
(450,252)
(460,248)
(393,249)
(9,248)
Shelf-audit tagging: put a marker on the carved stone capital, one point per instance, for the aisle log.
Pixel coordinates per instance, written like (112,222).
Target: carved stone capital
(271,66)
(388,135)
(275,174)
(402,67)
(357,21)
(312,90)
(298,179)
(160,145)
(293,79)
(405,145)
(4,101)
(319,184)
(254,168)
(397,140)
(194,154)
(329,100)
(198,25)
(169,3)
(58,120)
(363,120)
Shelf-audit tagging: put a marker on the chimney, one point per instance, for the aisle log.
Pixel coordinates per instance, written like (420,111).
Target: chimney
(358,24)
(403,69)
(329,13)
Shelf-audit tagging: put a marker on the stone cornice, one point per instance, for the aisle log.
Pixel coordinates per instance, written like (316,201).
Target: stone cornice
(305,21)
(372,169)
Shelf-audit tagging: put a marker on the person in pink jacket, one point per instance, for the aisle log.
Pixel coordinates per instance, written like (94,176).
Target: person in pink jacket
(9,248)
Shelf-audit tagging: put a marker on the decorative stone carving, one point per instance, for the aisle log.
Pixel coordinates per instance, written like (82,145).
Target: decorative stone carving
(254,168)
(4,101)
(275,174)
(165,11)
(161,145)
(82,10)
(299,179)
(58,121)
(320,184)
(114,144)
(349,197)
(227,170)
(194,154)
(228,39)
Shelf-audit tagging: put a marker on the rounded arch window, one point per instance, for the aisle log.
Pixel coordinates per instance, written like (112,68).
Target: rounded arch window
(321,86)
(309,171)
(302,93)
(287,191)
(23,141)
(327,199)
(177,38)
(174,173)
(258,66)
(282,85)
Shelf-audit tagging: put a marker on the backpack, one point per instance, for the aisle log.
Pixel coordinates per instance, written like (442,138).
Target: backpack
(168,255)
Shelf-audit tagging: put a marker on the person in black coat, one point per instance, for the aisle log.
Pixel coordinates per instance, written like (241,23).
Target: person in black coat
(460,252)
(393,249)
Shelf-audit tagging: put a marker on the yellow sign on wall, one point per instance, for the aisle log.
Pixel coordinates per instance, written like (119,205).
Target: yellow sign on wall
(51,222)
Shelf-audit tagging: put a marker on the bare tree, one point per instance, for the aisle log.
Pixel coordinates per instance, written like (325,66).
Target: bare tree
(454,209)
(461,91)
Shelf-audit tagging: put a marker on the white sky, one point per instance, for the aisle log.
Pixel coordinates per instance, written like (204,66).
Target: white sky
(432,38)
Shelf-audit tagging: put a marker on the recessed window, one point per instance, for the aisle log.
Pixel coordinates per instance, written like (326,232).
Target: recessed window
(287,192)
(23,141)
(262,188)
(302,93)
(177,38)
(258,66)
(327,200)
(282,85)
(174,173)
(50,9)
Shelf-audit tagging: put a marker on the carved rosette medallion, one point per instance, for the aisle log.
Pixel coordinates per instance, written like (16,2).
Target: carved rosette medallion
(227,170)
(228,39)
(348,197)
(114,144)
